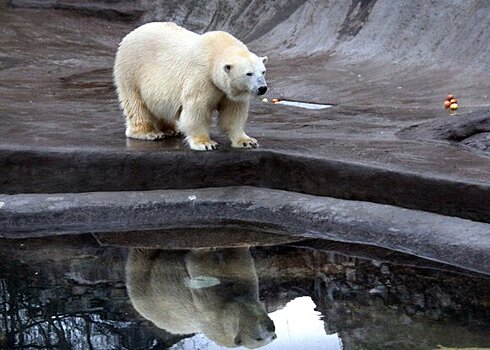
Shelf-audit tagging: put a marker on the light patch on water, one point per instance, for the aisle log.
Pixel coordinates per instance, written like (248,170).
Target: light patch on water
(306,105)
(298,326)
(192,197)
(2,204)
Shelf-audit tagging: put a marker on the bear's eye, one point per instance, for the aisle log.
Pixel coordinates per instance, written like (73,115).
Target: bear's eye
(263,72)
(250,74)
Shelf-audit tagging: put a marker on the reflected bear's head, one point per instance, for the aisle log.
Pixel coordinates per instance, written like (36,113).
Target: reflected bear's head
(247,324)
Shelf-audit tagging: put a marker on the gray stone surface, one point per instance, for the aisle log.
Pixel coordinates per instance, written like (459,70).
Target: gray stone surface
(386,66)
(80,170)
(455,241)
(62,131)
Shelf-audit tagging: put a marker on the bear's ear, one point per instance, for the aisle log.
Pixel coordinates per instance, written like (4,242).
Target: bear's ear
(227,68)
(265,59)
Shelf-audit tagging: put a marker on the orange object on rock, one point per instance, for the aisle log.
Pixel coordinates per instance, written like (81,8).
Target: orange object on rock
(447,104)
(449,97)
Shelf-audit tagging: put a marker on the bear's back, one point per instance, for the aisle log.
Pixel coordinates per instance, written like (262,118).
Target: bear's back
(148,42)
(166,33)
(155,281)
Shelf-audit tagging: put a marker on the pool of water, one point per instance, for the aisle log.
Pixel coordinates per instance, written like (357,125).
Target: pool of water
(301,104)
(76,293)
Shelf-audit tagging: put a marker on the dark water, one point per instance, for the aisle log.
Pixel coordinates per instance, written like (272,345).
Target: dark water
(72,293)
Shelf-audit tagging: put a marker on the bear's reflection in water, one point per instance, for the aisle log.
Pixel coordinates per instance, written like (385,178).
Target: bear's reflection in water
(214,292)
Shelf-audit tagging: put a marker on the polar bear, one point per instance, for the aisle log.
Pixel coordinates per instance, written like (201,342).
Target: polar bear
(210,291)
(170,80)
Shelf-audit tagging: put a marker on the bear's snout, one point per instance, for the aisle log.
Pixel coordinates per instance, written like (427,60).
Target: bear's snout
(262,90)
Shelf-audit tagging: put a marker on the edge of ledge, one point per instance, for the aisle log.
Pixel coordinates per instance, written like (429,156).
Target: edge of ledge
(455,241)
(60,171)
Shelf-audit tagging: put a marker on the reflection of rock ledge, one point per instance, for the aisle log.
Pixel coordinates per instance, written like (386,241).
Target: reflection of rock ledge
(451,240)
(193,238)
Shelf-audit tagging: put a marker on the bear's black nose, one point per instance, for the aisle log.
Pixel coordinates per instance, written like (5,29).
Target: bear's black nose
(262,90)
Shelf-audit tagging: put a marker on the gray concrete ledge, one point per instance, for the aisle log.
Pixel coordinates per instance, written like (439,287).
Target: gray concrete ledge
(451,240)
(79,170)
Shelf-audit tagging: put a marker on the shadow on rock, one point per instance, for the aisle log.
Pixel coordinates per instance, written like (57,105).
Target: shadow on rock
(472,129)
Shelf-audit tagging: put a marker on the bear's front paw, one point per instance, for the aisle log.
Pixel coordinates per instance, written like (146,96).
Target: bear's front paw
(245,142)
(202,143)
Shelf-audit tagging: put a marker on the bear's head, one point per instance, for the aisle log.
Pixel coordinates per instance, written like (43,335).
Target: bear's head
(242,75)
(245,323)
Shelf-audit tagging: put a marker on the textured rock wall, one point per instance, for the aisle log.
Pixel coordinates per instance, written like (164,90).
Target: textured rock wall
(420,31)
(246,19)
(401,31)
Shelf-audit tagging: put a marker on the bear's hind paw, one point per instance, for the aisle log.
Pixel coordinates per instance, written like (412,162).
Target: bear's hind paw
(202,144)
(148,136)
(172,132)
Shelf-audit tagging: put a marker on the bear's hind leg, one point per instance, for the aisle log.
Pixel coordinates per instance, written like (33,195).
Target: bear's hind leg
(139,120)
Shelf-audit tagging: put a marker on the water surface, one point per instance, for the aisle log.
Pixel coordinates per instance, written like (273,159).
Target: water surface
(72,293)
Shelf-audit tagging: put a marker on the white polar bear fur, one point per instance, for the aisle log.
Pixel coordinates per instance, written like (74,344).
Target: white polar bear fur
(169,78)
(228,312)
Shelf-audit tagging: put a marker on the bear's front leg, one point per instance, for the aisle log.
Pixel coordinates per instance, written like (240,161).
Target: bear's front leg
(231,120)
(195,123)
